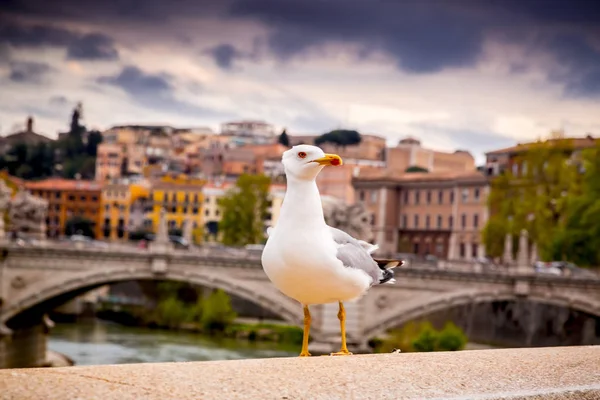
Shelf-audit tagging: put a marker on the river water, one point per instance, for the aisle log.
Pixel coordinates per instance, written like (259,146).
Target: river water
(98,342)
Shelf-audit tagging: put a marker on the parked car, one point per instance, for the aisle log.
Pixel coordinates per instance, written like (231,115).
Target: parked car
(563,268)
(178,241)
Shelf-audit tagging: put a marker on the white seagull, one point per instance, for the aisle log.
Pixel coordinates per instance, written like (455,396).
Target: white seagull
(310,261)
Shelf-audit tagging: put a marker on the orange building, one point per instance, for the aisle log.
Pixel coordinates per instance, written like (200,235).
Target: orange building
(68,199)
(409,153)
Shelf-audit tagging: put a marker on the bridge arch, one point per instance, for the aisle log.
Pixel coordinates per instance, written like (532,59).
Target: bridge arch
(444,301)
(45,298)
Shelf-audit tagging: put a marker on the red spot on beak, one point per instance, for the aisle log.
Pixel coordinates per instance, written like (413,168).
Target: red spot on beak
(335,161)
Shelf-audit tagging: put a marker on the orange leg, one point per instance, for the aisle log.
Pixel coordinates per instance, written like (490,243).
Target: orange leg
(304,352)
(342,317)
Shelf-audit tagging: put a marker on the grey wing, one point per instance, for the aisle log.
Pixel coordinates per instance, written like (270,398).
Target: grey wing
(354,254)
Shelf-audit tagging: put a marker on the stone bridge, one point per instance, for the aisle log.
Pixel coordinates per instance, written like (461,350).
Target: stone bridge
(34,279)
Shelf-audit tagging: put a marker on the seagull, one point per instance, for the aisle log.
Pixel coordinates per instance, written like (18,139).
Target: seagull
(309,261)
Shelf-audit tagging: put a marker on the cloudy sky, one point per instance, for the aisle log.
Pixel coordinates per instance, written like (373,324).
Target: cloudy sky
(453,73)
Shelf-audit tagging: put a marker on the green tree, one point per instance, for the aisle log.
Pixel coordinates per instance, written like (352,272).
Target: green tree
(217,312)
(427,339)
(339,137)
(244,210)
(536,198)
(578,239)
(451,338)
(284,139)
(94,138)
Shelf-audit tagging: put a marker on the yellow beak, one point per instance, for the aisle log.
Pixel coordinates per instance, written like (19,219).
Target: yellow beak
(329,159)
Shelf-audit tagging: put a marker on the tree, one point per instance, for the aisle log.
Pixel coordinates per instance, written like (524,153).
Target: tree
(80,226)
(536,198)
(451,338)
(94,138)
(578,239)
(217,312)
(339,137)
(284,139)
(244,210)
(416,168)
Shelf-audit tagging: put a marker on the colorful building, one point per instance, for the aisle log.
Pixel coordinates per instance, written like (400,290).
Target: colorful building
(119,212)
(69,200)
(182,199)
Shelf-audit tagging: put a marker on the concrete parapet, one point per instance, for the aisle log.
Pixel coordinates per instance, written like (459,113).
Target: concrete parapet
(535,373)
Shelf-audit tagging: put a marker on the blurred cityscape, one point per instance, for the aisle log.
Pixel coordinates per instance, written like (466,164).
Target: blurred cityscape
(470,151)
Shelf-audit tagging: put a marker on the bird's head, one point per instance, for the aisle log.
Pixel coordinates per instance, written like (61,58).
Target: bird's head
(305,162)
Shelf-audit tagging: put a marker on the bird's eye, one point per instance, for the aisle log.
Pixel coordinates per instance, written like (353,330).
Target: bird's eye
(302,154)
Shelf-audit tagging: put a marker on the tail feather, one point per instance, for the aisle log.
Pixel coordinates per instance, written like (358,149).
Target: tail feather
(387,267)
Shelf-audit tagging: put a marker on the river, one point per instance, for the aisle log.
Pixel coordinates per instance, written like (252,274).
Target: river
(97,342)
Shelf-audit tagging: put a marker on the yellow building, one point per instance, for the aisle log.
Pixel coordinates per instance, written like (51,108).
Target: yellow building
(182,199)
(117,211)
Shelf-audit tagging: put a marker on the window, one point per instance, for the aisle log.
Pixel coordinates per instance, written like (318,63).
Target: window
(372,219)
(465,195)
(429,197)
(462,250)
(440,197)
(195,210)
(361,195)
(217,213)
(417,196)
(476,194)
(406,197)
(451,196)
(206,212)
(439,222)
(463,221)
(450,222)
(475,221)
(71,197)
(474,248)
(373,196)
(416,222)
(404,221)
(207,200)
(427,221)
(416,248)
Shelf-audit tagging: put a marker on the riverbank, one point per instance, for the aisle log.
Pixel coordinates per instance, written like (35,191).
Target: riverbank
(533,373)
(97,342)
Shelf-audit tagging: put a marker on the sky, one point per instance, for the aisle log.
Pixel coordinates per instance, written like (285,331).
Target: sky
(462,74)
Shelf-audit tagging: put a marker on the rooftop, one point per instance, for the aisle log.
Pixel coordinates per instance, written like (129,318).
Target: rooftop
(62,184)
(534,373)
(377,174)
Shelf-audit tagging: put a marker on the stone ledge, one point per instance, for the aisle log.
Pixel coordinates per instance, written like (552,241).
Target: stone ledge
(542,373)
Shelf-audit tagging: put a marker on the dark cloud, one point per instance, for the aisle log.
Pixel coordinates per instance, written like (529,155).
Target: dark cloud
(92,46)
(422,37)
(583,62)
(225,55)
(137,83)
(28,72)
(116,10)
(155,91)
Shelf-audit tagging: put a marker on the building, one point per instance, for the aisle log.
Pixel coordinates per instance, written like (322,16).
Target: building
(69,200)
(118,213)
(231,162)
(440,214)
(27,137)
(248,128)
(410,153)
(181,197)
(506,159)
(337,182)
(371,147)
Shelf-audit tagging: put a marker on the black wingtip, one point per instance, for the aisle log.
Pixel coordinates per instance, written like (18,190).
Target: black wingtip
(388,275)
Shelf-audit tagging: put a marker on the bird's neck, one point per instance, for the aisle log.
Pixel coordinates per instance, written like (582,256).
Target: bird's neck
(302,202)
